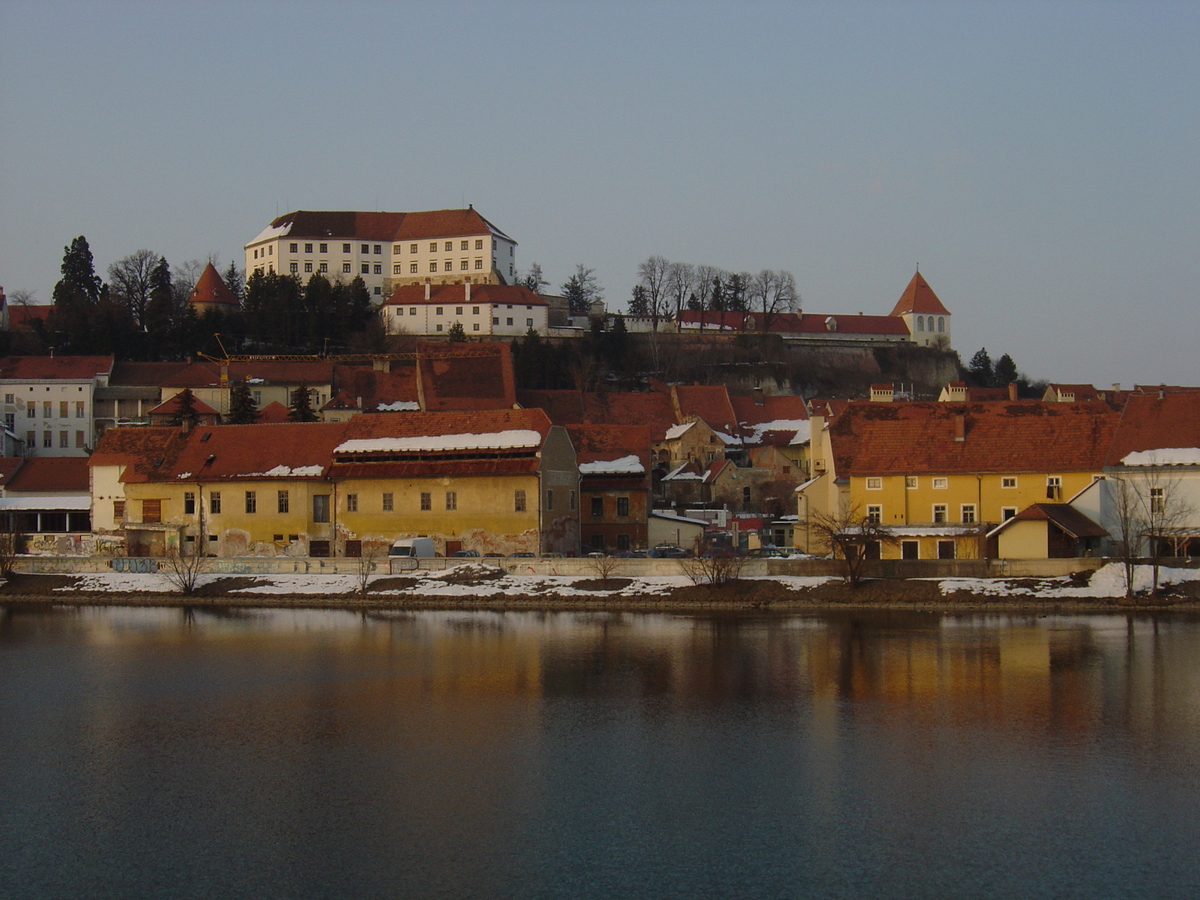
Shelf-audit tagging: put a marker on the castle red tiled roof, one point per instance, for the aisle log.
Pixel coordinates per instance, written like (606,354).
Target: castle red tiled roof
(373,387)
(919,297)
(919,438)
(45,368)
(210,288)
(1149,422)
(383,226)
(791,323)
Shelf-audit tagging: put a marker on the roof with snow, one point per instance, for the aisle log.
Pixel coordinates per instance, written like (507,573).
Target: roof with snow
(1168,425)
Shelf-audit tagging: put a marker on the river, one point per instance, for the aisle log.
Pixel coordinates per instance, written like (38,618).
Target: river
(270,753)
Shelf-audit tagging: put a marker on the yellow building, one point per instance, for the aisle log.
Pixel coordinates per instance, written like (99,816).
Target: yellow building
(940,475)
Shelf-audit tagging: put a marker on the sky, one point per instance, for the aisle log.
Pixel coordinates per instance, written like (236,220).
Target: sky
(1040,162)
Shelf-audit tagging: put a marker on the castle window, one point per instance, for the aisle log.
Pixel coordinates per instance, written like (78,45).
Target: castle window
(345,248)
(920,323)
(941,323)
(308,248)
(464,246)
(324,248)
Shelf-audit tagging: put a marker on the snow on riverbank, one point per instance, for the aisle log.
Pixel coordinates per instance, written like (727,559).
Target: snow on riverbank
(1106,583)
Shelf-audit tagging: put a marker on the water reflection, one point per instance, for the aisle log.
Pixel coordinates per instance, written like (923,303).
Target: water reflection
(557,754)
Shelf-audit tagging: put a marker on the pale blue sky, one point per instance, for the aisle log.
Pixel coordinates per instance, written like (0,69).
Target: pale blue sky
(1041,161)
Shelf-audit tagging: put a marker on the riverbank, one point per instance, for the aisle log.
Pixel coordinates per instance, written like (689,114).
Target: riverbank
(487,588)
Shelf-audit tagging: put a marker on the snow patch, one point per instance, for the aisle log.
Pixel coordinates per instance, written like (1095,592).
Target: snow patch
(1164,456)
(399,406)
(626,465)
(437,443)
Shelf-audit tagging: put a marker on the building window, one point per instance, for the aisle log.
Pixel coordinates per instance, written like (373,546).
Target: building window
(939,512)
(597,543)
(1007,512)
(458,310)
(622,507)
(78,439)
(412,268)
(479,263)
(875,514)
(189,503)
(549,499)
(395,249)
(251,502)
(388,504)
(47,409)
(623,542)
(940,484)
(509,320)
(439,327)
(945,548)
(1158,501)
(345,248)
(214,502)
(463,264)
(64,439)
(433,266)
(910,550)
(118,509)
(495,320)
(151,511)
(448,266)
(378,269)
(352,499)
(320,508)
(346,268)
(433,246)
(294,248)
(426,501)
(449,246)
(451,500)
(968,513)
(31,439)
(412,248)
(323,267)
(283,502)
(745,495)
(597,507)
(323,248)
(1053,487)
(479,244)
(874,484)
(364,248)
(1008,481)
(79,409)
(412,311)
(64,409)
(308,267)
(48,439)
(463,246)
(571,500)
(366,269)
(308,248)
(475,327)
(294,268)
(396,270)
(518,501)
(529,322)
(31,410)
(941,323)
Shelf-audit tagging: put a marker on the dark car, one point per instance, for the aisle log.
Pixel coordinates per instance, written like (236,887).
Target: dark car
(465,553)
(524,554)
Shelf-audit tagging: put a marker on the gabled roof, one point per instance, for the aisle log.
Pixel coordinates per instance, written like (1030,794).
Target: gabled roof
(273,412)
(251,452)
(445,223)
(23,317)
(652,409)
(920,438)
(144,374)
(756,409)
(8,465)
(47,368)
(51,474)
(143,452)
(171,406)
(1070,520)
(919,297)
(1149,422)
(372,387)
(211,288)
(612,450)
(388,426)
(452,294)
(707,402)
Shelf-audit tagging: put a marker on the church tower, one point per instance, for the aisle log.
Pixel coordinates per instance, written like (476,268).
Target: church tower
(927,319)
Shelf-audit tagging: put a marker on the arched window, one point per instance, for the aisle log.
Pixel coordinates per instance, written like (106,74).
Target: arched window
(920,323)
(941,323)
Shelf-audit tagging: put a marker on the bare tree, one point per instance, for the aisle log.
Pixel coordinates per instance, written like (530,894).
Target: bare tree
(713,565)
(9,545)
(851,536)
(366,566)
(185,565)
(605,568)
(130,278)
(652,276)
(1149,511)
(183,279)
(681,279)
(772,294)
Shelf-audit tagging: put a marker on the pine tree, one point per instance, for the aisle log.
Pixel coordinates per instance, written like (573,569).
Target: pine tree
(980,368)
(242,409)
(301,409)
(185,411)
(1005,372)
(457,334)
(234,281)
(638,304)
(75,298)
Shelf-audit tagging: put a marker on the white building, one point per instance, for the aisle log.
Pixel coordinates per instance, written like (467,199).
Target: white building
(49,401)
(483,310)
(386,249)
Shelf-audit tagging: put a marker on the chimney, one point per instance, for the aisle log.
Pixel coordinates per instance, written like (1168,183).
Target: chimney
(467,286)
(960,427)
(426,288)
(758,396)
(1012,390)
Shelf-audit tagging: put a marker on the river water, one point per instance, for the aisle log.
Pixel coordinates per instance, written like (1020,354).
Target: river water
(162,753)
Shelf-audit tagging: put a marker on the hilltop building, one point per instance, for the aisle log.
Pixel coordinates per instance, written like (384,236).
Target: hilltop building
(385,249)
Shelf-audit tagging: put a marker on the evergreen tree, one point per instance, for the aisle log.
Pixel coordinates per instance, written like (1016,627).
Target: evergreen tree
(980,368)
(234,281)
(533,279)
(1005,372)
(75,298)
(301,409)
(185,411)
(639,305)
(581,289)
(457,333)
(242,409)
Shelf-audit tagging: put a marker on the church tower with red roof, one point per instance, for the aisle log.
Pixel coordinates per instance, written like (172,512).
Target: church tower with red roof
(927,319)
(211,292)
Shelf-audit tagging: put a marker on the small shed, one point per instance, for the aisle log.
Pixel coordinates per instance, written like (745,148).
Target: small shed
(1047,531)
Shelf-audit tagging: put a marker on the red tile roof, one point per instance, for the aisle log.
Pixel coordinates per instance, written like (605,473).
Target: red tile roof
(241,452)
(210,288)
(1150,423)
(1065,516)
(373,386)
(919,438)
(46,368)
(50,474)
(919,297)
(141,451)
(466,376)
(707,402)
(654,410)
(756,409)
(444,223)
(144,374)
(208,374)
(170,407)
(604,443)
(23,317)
(422,424)
(384,226)
(272,413)
(8,465)
(450,294)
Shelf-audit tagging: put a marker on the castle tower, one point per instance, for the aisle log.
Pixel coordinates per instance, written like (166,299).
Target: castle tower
(927,319)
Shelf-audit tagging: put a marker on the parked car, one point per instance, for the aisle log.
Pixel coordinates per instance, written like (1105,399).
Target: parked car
(420,548)
(493,556)
(522,555)
(667,551)
(465,553)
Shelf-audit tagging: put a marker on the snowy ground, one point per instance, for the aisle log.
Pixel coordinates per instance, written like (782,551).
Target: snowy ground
(1106,583)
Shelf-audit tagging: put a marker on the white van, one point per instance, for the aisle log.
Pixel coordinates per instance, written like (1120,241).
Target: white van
(413,548)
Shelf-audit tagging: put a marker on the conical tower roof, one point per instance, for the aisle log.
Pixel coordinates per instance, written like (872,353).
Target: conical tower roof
(919,297)
(211,289)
